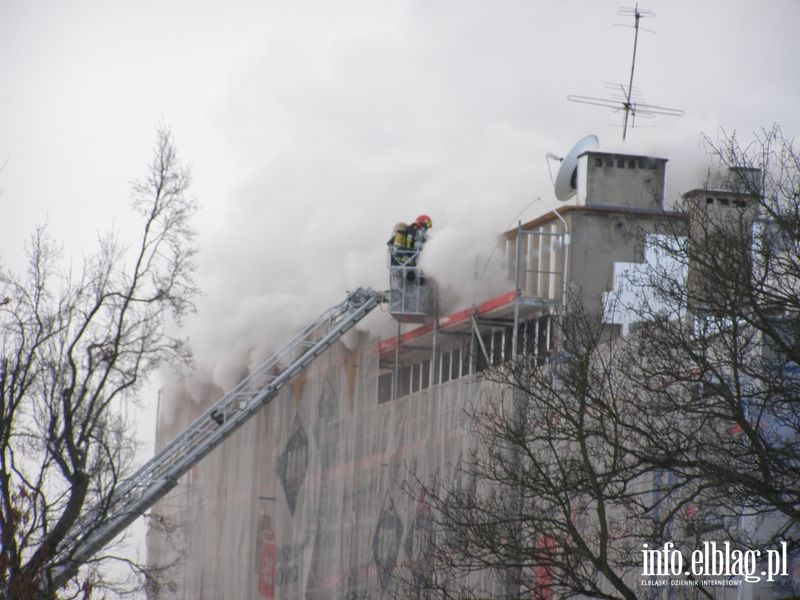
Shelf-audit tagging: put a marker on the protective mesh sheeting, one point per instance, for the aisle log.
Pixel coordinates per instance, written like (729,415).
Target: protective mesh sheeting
(306,500)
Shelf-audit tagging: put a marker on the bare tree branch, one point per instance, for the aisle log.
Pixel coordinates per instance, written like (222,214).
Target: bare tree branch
(75,349)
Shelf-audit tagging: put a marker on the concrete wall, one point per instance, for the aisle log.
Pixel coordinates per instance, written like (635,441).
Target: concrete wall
(598,239)
(622,180)
(720,235)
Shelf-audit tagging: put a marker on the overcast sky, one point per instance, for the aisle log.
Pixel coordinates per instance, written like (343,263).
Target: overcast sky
(312,127)
(308,121)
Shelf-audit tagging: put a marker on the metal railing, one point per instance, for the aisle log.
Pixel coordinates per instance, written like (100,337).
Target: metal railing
(410,295)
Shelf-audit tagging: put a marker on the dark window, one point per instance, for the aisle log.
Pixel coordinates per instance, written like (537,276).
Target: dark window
(620,163)
(508,339)
(455,363)
(598,162)
(709,201)
(426,374)
(415,377)
(404,381)
(724,201)
(530,337)
(445,367)
(542,339)
(480,361)
(631,164)
(384,387)
(497,347)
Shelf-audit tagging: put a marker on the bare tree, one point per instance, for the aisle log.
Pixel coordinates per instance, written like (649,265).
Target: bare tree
(551,504)
(730,365)
(684,431)
(76,348)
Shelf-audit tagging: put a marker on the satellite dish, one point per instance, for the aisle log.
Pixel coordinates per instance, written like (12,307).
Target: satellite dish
(566,180)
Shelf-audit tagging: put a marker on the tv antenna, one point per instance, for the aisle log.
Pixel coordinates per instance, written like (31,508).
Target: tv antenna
(630,101)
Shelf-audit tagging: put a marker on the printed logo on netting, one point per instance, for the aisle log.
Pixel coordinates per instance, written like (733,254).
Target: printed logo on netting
(293,463)
(419,540)
(458,504)
(326,428)
(386,541)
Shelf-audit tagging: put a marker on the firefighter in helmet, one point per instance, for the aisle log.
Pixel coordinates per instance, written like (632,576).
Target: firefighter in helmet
(417,233)
(407,240)
(398,249)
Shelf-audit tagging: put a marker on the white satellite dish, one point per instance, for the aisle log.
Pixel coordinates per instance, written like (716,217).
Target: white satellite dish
(566,181)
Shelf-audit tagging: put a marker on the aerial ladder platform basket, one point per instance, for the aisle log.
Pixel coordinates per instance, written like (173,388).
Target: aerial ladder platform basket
(411,294)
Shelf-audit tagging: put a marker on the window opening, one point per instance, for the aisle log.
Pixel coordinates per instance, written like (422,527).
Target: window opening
(384,387)
(425,365)
(415,377)
(497,347)
(445,372)
(508,339)
(405,381)
(455,363)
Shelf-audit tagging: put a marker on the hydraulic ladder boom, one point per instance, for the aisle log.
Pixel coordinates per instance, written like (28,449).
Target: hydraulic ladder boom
(133,496)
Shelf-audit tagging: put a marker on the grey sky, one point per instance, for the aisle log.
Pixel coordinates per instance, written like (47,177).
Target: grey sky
(312,127)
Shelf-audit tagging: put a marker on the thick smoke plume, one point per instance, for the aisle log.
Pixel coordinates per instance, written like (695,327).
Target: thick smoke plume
(362,125)
(386,135)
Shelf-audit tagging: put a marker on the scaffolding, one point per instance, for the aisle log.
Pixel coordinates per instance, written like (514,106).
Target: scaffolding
(539,266)
(444,348)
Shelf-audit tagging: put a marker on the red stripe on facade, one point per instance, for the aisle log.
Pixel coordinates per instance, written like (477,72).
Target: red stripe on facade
(450,320)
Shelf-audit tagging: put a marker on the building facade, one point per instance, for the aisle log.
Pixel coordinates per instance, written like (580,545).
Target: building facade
(311,499)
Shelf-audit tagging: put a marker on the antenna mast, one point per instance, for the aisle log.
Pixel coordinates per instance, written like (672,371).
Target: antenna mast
(627,103)
(636,16)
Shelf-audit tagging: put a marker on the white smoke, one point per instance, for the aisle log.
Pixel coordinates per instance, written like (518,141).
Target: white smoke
(350,121)
(344,138)
(467,264)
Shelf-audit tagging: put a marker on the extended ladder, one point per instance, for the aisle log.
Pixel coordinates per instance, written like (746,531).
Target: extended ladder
(133,496)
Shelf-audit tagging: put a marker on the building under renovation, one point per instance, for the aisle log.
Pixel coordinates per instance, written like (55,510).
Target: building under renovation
(306,500)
